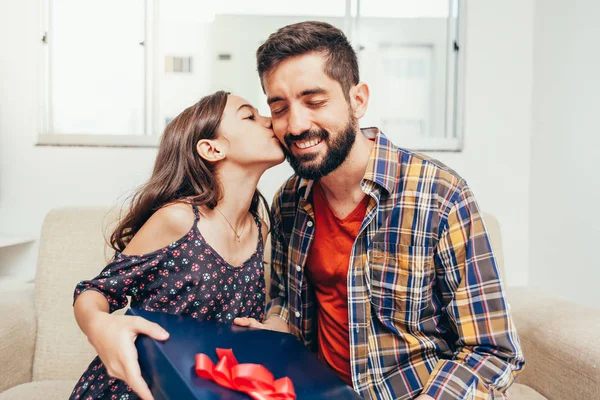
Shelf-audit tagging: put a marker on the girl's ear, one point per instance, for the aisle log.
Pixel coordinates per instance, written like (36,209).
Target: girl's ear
(211,150)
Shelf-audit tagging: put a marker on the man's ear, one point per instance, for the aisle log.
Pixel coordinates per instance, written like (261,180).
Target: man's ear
(211,150)
(359,99)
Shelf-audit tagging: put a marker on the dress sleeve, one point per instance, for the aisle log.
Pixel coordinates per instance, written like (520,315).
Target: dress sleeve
(125,276)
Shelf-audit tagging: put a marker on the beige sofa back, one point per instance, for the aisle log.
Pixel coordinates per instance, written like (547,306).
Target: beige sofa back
(71,249)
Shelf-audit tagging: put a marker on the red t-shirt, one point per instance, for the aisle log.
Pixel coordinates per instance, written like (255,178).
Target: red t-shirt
(327,270)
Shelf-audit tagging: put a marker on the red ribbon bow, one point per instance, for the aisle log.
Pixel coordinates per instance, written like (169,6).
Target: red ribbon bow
(252,379)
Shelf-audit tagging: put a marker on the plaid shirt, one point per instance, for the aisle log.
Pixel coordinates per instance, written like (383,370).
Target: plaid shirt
(426,308)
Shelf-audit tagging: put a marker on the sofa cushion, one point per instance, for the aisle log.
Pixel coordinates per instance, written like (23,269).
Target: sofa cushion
(560,343)
(41,390)
(17,333)
(522,392)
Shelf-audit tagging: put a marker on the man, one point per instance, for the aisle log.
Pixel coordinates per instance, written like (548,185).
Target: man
(381,262)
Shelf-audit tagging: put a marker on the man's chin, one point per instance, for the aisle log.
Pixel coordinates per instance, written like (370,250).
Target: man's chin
(305,169)
(304,159)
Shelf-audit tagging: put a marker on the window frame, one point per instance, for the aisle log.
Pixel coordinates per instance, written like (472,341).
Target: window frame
(150,138)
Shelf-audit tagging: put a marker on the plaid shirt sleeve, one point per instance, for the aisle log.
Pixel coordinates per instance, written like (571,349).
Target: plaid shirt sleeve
(278,306)
(488,353)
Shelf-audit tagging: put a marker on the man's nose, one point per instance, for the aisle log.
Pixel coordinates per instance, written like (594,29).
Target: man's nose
(298,121)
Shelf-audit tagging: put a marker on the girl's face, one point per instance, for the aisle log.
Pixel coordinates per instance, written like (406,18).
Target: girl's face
(248,136)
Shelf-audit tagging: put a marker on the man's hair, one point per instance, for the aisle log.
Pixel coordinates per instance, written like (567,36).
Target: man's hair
(307,37)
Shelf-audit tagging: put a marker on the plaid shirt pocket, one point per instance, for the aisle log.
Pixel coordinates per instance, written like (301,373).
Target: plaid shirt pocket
(401,279)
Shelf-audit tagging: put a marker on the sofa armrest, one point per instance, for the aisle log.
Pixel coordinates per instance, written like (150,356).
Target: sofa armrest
(560,343)
(17,334)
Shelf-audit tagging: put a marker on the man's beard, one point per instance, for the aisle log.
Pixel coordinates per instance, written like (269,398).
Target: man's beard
(337,151)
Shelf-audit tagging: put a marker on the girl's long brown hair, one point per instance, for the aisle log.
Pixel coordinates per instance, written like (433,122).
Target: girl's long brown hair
(180,174)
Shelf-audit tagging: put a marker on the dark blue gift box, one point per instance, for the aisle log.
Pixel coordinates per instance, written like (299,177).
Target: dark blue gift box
(168,367)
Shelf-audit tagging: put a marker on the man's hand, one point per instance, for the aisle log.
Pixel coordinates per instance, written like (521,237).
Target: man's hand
(272,324)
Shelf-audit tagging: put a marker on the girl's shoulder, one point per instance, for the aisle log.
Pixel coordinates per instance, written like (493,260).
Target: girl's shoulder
(168,225)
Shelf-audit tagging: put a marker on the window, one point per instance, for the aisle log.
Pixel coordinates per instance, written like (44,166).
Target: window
(409,54)
(117,78)
(96,67)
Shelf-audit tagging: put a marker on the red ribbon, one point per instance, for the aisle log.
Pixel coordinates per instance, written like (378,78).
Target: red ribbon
(252,379)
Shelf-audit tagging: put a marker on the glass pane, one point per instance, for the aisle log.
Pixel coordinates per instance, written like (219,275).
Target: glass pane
(407,69)
(215,45)
(97,67)
(403,55)
(405,8)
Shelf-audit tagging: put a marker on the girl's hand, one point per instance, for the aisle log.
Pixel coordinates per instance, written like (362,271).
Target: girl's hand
(113,337)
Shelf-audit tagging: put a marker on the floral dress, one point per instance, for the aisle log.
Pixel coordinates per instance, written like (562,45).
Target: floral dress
(188,277)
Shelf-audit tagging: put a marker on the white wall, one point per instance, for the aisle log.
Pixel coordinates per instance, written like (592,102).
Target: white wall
(34,180)
(496,155)
(495,159)
(565,182)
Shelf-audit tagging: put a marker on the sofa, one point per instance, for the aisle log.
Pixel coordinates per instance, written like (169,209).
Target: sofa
(43,352)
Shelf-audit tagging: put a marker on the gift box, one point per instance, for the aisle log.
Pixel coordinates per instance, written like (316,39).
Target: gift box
(169,367)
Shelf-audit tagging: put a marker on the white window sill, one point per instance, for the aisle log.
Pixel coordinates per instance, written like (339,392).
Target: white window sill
(87,140)
(429,144)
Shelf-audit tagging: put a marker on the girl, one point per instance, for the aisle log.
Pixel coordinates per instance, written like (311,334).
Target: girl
(191,243)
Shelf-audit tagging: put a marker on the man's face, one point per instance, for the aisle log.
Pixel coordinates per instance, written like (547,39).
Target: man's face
(311,116)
